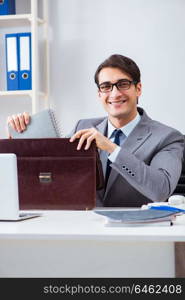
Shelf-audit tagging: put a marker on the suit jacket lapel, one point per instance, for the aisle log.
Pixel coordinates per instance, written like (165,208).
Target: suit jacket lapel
(134,141)
(102,127)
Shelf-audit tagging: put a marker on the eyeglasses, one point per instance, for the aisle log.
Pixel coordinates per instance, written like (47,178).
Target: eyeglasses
(123,84)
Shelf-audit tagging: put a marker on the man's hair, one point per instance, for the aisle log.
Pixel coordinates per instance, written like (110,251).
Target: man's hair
(125,64)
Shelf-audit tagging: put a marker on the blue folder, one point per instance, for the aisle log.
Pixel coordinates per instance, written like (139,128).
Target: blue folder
(18,61)
(25,73)
(7,7)
(12,61)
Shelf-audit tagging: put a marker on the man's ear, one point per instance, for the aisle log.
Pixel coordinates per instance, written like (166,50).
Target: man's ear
(139,89)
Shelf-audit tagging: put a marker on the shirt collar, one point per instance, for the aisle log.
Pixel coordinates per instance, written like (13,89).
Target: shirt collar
(126,129)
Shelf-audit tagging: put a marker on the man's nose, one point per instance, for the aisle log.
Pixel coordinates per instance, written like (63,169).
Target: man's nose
(115,92)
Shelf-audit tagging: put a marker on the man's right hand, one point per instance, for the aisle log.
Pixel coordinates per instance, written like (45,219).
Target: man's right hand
(19,122)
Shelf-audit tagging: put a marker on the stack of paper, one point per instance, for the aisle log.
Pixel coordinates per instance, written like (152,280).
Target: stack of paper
(137,217)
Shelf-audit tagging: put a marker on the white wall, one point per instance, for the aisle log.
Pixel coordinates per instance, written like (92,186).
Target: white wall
(85,32)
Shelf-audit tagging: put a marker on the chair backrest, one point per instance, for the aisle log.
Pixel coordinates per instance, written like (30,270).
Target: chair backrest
(180,188)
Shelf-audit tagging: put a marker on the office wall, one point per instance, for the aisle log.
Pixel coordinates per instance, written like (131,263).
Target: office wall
(85,32)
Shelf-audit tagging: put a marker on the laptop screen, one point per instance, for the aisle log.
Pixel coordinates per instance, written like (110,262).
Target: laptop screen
(9,198)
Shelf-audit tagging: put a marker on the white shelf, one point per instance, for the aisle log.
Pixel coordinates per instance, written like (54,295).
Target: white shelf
(16,93)
(17,20)
(20,93)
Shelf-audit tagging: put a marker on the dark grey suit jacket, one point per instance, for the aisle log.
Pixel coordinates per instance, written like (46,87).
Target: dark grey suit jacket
(147,167)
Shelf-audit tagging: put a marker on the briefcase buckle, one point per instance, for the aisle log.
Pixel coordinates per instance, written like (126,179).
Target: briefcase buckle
(45,177)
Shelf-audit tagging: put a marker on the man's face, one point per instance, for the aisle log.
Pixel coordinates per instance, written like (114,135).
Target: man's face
(122,104)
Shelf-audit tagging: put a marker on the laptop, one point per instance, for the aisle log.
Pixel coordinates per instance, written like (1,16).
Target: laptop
(9,195)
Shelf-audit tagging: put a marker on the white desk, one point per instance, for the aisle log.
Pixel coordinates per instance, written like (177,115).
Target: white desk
(77,244)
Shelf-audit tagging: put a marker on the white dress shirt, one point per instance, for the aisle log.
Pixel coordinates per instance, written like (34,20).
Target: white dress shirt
(127,129)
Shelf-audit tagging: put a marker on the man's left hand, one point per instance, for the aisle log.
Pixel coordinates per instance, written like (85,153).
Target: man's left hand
(90,134)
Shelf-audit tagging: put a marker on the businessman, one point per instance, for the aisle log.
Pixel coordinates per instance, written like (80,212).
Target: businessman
(141,157)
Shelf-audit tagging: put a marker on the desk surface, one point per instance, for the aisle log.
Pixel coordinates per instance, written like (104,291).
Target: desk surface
(85,225)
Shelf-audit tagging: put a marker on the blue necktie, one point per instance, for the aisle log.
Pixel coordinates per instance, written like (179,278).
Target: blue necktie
(117,136)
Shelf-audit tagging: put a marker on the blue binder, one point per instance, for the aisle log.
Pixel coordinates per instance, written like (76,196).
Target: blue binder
(12,61)
(25,74)
(7,7)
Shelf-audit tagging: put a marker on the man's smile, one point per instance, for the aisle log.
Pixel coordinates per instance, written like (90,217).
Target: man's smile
(117,102)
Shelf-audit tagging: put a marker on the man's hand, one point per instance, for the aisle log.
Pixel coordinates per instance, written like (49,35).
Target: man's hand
(19,122)
(91,134)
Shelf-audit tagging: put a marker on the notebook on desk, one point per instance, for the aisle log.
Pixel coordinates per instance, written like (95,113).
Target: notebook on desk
(9,196)
(137,217)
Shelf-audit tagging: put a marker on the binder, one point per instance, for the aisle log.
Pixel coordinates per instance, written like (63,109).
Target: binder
(7,7)
(24,47)
(18,61)
(12,64)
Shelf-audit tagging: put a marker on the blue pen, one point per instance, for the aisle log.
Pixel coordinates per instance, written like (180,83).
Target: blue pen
(168,208)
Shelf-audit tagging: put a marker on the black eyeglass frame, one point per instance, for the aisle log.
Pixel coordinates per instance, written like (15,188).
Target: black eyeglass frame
(116,84)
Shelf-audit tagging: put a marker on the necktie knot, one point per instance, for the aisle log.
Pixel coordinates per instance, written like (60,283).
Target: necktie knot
(117,136)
